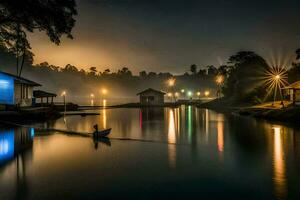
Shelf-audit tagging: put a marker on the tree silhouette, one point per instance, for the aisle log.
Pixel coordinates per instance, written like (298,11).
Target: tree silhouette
(93,71)
(193,68)
(298,54)
(55,17)
(246,71)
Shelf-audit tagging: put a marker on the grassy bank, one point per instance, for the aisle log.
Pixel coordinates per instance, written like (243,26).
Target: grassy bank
(288,114)
(275,112)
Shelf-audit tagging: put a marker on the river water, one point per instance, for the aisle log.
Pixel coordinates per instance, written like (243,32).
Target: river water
(175,153)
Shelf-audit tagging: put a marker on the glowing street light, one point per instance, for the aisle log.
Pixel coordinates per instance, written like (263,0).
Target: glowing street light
(275,78)
(171,82)
(92,99)
(176,95)
(198,94)
(219,80)
(190,94)
(206,93)
(63,94)
(182,90)
(104,91)
(170,94)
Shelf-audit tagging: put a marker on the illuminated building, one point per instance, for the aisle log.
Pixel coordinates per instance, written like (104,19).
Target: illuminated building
(15,90)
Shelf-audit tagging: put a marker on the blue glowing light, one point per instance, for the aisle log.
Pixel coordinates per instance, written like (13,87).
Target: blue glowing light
(6,145)
(32,133)
(6,89)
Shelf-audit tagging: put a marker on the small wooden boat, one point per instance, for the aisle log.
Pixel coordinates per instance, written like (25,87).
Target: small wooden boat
(103,133)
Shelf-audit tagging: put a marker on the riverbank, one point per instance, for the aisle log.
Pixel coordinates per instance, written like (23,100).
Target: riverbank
(276,112)
(138,105)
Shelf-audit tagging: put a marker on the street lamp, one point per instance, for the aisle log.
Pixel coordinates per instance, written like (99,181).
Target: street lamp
(206,93)
(171,84)
(170,95)
(92,99)
(104,91)
(219,81)
(198,94)
(63,94)
(176,95)
(275,78)
(190,94)
(182,90)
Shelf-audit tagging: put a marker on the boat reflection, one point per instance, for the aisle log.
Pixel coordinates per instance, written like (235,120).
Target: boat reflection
(102,140)
(279,177)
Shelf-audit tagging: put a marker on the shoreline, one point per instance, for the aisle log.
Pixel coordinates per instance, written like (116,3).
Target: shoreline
(289,114)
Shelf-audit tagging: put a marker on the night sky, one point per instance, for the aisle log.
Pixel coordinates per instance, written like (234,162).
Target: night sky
(170,35)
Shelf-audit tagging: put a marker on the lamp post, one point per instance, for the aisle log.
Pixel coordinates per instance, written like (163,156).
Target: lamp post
(63,94)
(170,95)
(219,81)
(176,95)
(198,94)
(206,93)
(190,95)
(276,80)
(92,99)
(171,83)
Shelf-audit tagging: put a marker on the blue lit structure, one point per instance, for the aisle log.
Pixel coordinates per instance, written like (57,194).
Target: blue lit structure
(32,133)
(6,145)
(15,90)
(6,89)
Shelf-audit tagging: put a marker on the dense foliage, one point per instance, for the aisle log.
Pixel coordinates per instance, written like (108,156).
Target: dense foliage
(55,17)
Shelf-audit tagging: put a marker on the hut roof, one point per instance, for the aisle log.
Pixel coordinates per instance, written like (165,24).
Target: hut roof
(151,90)
(40,94)
(21,80)
(295,85)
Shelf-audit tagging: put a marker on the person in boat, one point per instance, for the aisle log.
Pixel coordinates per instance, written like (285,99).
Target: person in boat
(96,128)
(95,134)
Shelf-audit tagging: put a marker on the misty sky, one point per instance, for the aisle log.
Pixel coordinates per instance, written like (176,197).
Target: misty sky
(170,35)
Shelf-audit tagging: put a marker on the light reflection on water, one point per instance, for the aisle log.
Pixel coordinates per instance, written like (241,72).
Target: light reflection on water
(279,163)
(195,148)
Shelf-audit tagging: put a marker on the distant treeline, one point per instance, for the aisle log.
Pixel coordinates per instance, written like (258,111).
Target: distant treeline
(122,83)
(244,78)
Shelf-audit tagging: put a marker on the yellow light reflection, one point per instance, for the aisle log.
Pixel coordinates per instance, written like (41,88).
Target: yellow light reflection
(220,129)
(279,164)
(190,125)
(206,124)
(104,113)
(172,139)
(92,102)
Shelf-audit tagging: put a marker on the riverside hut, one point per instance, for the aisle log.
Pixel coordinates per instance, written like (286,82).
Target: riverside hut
(151,97)
(292,92)
(16,90)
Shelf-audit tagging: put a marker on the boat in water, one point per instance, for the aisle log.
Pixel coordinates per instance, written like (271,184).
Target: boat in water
(101,134)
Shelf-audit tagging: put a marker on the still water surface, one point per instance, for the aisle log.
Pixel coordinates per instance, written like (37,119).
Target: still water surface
(178,153)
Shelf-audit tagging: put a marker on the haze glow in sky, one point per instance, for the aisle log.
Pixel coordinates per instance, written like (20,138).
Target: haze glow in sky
(170,35)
